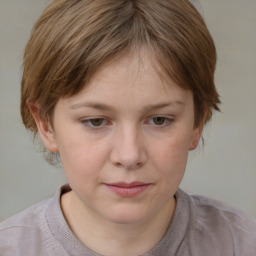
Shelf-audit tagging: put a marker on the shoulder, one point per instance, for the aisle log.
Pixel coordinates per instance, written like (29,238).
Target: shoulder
(26,233)
(221,225)
(23,225)
(30,232)
(212,210)
(26,218)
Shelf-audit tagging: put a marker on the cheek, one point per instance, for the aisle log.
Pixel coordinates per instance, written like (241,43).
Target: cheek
(171,155)
(81,157)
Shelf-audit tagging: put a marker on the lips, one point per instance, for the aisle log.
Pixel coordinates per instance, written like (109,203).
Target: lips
(128,189)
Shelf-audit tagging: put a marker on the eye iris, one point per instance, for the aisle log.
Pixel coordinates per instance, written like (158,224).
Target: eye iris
(159,120)
(96,122)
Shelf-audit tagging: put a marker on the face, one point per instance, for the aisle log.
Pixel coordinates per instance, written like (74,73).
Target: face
(124,140)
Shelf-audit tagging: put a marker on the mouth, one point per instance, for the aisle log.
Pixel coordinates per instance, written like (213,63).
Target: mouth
(128,189)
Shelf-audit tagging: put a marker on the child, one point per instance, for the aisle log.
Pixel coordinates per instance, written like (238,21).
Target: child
(120,91)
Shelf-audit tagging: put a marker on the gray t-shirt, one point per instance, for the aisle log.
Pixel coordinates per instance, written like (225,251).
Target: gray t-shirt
(200,227)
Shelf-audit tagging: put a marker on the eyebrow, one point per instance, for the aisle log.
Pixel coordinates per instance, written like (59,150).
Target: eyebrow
(95,105)
(164,105)
(105,107)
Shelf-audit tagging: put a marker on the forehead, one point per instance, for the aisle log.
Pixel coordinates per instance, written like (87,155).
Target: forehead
(132,67)
(130,78)
(135,67)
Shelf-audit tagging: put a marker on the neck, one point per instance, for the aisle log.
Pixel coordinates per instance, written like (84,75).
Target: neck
(121,239)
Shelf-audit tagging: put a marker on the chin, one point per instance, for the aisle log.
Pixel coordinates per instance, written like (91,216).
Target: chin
(128,216)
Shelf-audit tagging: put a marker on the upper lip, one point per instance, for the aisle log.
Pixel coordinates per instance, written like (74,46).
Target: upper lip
(127,185)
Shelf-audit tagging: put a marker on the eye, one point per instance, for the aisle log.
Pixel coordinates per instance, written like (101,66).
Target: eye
(160,121)
(95,122)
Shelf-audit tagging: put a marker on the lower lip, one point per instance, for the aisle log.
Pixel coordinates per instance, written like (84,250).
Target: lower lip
(128,191)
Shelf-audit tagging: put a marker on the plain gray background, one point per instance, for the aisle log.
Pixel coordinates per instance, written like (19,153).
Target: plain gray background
(225,168)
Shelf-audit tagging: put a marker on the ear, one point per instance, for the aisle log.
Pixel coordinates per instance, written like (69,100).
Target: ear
(44,127)
(196,137)
(197,131)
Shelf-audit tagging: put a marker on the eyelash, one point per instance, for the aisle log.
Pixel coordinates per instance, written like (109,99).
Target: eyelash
(166,121)
(88,123)
(104,122)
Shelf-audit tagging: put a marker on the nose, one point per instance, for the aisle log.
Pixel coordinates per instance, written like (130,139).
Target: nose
(128,149)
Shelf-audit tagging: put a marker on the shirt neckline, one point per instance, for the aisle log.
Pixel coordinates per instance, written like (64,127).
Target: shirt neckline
(168,245)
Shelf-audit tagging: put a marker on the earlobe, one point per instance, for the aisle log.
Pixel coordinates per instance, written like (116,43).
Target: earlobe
(44,127)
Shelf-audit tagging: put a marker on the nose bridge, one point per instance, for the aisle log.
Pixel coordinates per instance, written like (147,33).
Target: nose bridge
(128,150)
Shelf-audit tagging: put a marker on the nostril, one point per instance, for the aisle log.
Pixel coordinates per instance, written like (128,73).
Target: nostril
(129,166)
(128,161)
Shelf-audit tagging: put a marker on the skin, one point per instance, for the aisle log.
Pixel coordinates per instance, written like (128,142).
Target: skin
(128,124)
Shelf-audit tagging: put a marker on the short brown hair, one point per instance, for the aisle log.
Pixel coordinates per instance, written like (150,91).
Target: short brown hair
(72,38)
